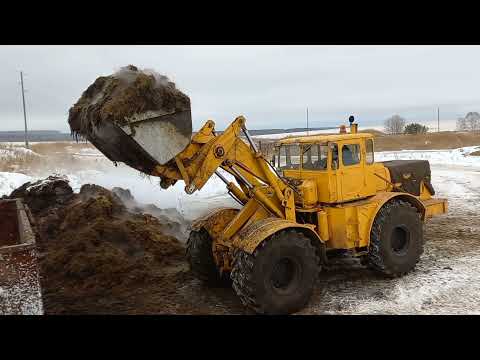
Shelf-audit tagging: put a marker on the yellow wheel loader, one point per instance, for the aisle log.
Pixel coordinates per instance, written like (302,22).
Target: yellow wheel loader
(317,195)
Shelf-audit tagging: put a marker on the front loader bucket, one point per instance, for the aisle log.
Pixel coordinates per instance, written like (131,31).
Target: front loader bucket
(20,292)
(147,140)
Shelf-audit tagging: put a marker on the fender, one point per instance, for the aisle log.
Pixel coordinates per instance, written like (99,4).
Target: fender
(252,235)
(216,221)
(382,198)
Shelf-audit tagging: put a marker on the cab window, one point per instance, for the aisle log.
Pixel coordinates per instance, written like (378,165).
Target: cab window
(350,154)
(288,157)
(370,159)
(314,157)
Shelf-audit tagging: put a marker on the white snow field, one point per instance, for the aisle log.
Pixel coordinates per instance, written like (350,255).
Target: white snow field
(446,280)
(11,181)
(297,133)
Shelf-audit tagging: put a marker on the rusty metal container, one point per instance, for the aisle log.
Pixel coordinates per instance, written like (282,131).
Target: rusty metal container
(20,291)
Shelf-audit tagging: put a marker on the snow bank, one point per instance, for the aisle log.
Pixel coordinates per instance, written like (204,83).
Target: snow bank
(435,157)
(299,133)
(11,181)
(334,130)
(16,152)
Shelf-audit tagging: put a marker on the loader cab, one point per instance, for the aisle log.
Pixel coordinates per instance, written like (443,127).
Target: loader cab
(333,168)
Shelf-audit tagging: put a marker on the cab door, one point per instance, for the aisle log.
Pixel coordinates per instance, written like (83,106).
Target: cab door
(351,172)
(334,183)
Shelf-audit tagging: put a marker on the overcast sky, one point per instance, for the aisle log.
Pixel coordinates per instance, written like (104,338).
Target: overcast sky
(270,85)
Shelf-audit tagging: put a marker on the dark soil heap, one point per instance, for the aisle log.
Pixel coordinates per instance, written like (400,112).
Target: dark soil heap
(93,252)
(54,191)
(128,92)
(101,253)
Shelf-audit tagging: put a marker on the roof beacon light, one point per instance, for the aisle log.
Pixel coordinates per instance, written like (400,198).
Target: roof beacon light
(353,126)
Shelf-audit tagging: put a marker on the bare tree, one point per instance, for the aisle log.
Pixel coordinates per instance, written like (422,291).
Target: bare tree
(394,125)
(471,122)
(461,124)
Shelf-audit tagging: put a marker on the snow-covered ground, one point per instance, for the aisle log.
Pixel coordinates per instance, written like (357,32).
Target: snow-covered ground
(15,152)
(459,156)
(11,181)
(297,133)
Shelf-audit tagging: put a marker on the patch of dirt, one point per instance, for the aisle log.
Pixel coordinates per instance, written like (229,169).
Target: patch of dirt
(429,141)
(475,153)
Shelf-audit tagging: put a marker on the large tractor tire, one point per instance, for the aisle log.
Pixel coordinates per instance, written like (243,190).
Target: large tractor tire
(200,258)
(396,239)
(279,277)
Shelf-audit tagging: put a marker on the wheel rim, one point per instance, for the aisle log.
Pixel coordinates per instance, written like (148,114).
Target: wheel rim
(285,275)
(400,240)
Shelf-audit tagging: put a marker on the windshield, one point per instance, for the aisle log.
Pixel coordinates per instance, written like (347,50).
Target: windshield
(314,157)
(288,157)
(311,156)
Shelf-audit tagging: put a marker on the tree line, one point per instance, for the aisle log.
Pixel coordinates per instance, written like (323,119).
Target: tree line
(471,122)
(396,125)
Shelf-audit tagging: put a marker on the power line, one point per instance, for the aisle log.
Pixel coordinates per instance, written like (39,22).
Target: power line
(24,110)
(438,119)
(307,122)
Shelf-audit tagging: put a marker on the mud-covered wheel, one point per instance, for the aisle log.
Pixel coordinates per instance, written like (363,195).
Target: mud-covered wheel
(396,239)
(200,259)
(279,277)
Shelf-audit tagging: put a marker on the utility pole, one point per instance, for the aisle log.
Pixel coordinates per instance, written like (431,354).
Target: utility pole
(24,111)
(307,122)
(438,119)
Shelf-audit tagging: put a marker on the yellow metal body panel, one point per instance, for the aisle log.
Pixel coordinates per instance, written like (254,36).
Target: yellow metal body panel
(324,138)
(216,221)
(309,195)
(435,207)
(252,235)
(323,227)
(240,219)
(350,224)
